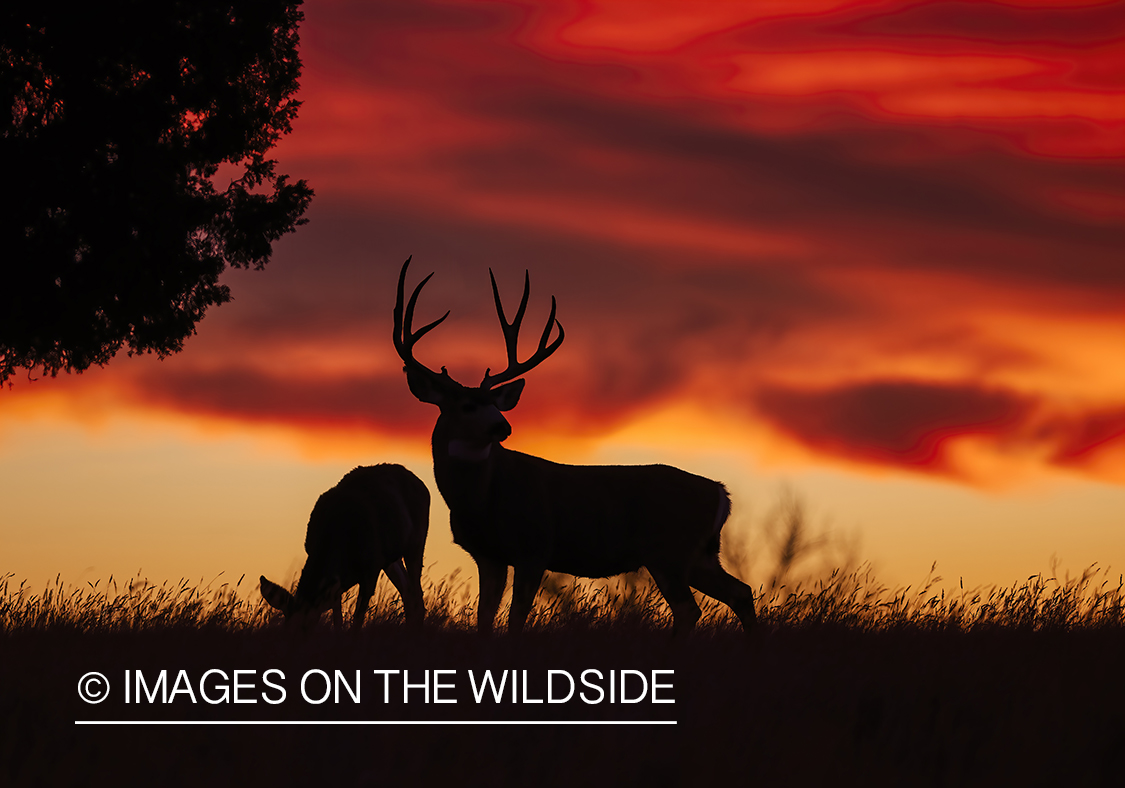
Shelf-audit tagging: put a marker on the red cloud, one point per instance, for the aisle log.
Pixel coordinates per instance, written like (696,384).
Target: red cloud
(911,424)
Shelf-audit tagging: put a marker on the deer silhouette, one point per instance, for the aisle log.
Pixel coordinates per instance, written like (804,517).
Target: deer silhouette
(507,508)
(374,520)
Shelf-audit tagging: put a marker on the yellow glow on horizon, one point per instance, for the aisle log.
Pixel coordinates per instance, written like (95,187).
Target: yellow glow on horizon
(174,501)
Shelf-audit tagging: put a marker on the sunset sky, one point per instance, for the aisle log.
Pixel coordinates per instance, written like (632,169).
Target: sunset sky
(870,252)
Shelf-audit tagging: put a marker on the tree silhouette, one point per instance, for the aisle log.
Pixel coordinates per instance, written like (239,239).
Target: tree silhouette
(114,120)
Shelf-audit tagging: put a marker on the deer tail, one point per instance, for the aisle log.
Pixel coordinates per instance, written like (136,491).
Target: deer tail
(720,518)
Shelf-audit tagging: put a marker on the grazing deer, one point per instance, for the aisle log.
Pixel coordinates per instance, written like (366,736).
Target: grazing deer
(373,519)
(511,509)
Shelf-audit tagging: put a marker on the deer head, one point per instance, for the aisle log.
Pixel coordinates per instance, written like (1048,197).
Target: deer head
(473,417)
(304,607)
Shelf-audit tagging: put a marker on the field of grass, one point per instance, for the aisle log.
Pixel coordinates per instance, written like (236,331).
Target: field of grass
(845,681)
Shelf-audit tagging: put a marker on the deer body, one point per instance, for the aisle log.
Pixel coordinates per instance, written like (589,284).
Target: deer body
(507,508)
(584,520)
(375,519)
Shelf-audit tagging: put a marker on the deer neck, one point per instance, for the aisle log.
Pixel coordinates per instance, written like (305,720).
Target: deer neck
(463,471)
(314,578)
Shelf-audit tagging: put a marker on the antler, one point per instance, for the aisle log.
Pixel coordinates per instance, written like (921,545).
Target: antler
(511,337)
(405,338)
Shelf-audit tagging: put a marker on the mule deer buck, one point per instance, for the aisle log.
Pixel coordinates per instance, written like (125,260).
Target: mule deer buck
(512,509)
(375,519)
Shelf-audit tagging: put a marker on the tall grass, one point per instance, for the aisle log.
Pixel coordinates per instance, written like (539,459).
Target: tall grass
(857,601)
(1093,600)
(854,600)
(137,604)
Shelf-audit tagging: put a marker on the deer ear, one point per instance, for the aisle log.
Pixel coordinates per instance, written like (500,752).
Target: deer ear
(424,388)
(276,596)
(507,396)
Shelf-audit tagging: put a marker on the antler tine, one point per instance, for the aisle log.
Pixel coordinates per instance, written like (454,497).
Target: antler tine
(551,320)
(511,330)
(416,335)
(511,337)
(404,336)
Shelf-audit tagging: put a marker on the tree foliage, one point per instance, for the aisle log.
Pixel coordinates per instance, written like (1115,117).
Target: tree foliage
(115,118)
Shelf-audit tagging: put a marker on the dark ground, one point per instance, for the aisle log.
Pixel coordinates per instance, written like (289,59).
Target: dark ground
(791,707)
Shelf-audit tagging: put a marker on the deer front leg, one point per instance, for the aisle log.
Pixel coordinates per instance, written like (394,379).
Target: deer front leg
(525,584)
(493,578)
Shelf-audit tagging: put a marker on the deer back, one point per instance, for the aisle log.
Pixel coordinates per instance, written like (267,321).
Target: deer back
(362,524)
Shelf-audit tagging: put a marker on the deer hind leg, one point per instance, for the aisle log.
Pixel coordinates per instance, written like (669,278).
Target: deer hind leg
(413,601)
(493,578)
(525,584)
(416,606)
(709,577)
(362,600)
(409,586)
(677,593)
(338,609)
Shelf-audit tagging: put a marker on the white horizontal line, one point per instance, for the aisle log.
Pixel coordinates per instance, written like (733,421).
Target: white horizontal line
(375,722)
